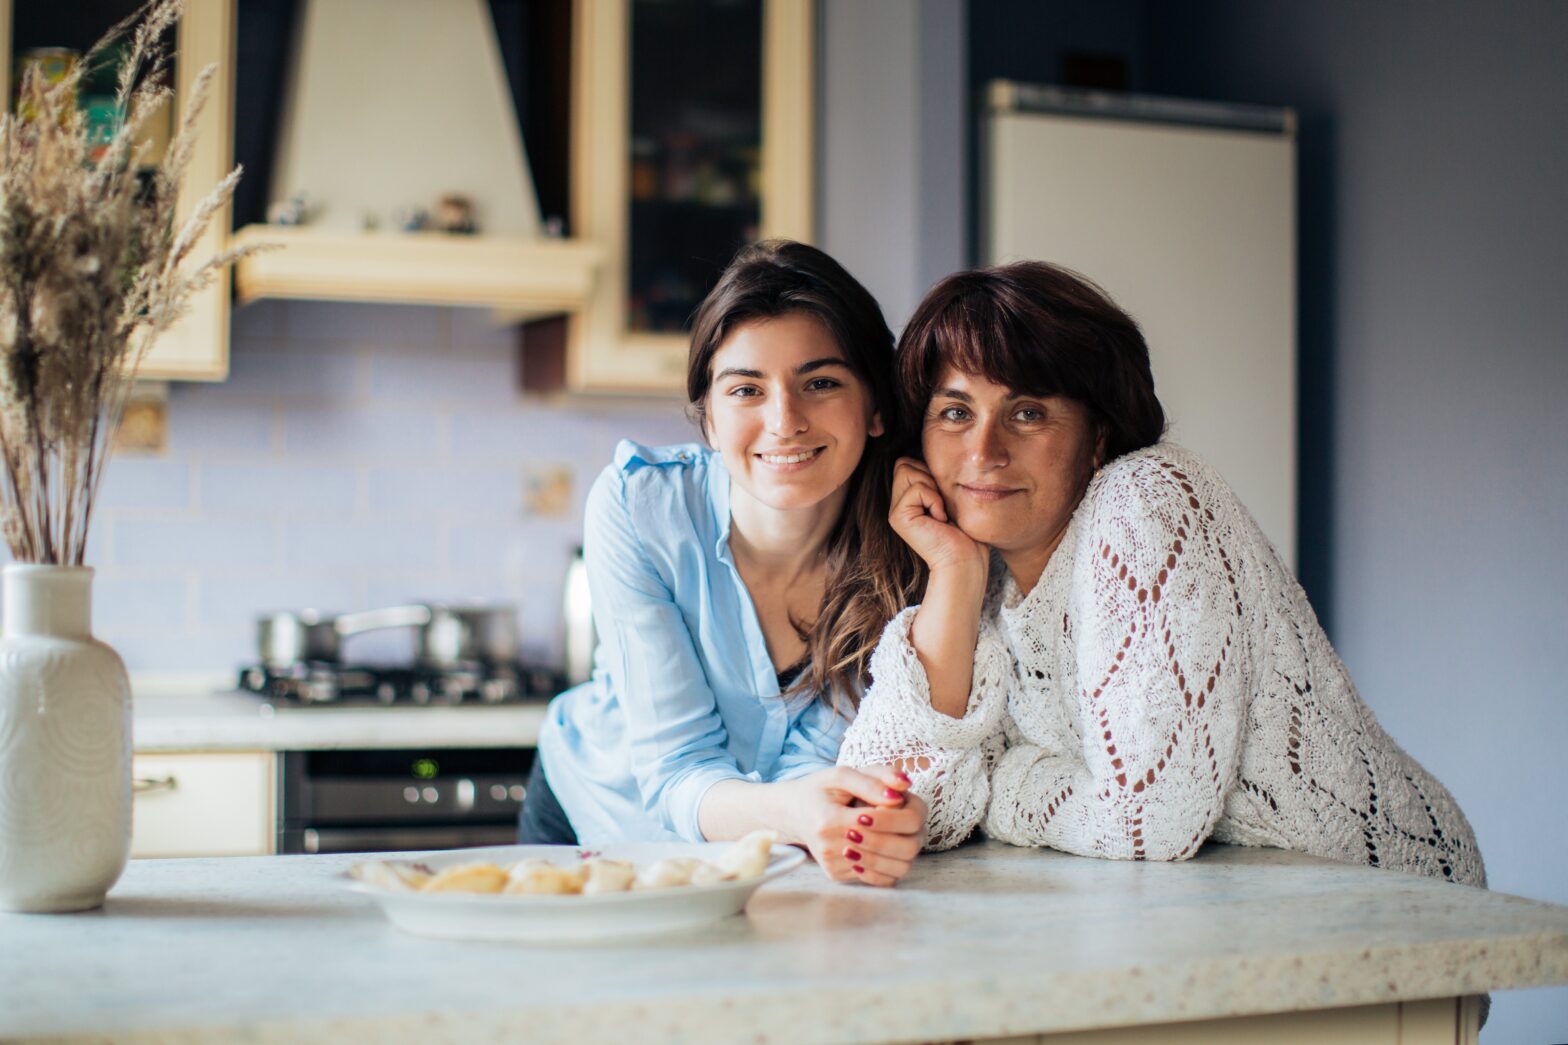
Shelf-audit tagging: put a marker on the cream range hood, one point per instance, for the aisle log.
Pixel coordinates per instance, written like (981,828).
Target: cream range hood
(390,104)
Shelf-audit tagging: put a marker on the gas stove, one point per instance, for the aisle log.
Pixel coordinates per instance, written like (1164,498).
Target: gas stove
(318,684)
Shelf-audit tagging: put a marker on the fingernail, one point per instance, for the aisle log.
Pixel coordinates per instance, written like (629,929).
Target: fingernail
(851,854)
(858,869)
(865,820)
(854,836)
(893,794)
(901,775)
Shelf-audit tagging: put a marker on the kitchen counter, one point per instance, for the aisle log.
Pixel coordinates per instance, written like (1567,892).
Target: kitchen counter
(241,722)
(984,941)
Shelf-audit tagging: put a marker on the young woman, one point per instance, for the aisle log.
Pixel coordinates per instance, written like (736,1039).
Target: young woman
(734,610)
(1139,672)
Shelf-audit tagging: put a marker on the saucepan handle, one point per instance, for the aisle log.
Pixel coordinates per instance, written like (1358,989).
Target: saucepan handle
(414,616)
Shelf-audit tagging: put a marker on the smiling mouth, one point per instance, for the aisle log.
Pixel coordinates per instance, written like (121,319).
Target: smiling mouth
(792,458)
(988,493)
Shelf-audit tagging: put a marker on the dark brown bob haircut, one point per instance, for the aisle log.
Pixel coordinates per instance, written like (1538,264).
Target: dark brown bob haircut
(1037,329)
(871,574)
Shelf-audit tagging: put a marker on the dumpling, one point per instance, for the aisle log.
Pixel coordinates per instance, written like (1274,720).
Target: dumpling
(749,856)
(466,878)
(534,877)
(710,874)
(391,875)
(607,876)
(671,871)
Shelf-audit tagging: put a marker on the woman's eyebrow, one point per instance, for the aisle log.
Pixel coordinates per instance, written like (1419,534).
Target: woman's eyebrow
(735,371)
(951,393)
(758,375)
(818,364)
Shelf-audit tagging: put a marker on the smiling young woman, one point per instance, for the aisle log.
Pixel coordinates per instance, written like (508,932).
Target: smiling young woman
(735,611)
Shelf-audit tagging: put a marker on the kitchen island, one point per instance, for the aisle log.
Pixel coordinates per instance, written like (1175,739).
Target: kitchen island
(986,941)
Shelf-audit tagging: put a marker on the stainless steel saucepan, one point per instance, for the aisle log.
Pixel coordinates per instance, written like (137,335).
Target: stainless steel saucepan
(449,635)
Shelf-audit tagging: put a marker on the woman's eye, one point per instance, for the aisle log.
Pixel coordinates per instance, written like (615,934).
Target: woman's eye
(744,391)
(820,384)
(1030,414)
(953,414)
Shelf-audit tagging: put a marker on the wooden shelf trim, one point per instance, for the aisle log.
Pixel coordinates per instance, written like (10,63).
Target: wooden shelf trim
(533,277)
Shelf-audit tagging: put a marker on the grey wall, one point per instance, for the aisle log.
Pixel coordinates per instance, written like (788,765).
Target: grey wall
(1434,348)
(892,162)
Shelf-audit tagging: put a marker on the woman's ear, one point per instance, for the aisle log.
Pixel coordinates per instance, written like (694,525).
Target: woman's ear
(1099,450)
(877,427)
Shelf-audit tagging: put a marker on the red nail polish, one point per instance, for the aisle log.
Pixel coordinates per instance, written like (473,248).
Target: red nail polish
(854,836)
(865,820)
(859,870)
(893,794)
(850,854)
(901,775)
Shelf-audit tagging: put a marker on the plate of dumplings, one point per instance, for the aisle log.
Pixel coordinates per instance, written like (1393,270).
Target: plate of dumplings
(556,892)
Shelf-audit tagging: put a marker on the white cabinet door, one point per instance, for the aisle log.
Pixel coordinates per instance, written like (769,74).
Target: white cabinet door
(203,804)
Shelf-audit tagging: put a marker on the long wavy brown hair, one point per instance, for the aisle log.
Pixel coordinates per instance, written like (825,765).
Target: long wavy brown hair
(871,574)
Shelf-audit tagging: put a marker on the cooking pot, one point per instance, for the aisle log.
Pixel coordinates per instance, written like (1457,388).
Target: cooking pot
(453,635)
(449,635)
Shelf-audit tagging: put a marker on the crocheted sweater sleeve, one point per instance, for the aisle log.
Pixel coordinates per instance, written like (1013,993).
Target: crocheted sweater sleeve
(949,760)
(1160,701)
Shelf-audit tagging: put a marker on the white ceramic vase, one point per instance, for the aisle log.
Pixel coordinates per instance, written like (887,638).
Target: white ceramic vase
(65,746)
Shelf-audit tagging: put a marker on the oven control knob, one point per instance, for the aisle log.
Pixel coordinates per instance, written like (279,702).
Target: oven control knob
(516,792)
(430,794)
(411,794)
(420,691)
(498,792)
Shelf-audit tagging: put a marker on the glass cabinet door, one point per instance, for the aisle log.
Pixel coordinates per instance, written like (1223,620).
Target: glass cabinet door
(692,137)
(197,347)
(696,149)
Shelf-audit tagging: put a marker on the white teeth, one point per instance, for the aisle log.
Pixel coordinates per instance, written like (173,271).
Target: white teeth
(788,458)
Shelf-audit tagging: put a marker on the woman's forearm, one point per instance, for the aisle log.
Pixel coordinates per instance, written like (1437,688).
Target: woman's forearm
(945,631)
(732,808)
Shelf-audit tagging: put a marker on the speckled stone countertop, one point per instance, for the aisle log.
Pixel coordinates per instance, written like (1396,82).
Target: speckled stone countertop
(242,722)
(983,941)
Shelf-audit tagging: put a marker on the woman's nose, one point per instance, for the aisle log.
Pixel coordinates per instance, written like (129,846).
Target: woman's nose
(785,416)
(987,447)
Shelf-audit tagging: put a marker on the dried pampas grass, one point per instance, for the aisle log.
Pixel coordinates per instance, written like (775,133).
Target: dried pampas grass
(92,269)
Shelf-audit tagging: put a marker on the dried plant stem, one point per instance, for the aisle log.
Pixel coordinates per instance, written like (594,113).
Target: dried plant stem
(92,270)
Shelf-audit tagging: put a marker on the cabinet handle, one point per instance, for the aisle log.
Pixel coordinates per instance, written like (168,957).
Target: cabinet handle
(141,785)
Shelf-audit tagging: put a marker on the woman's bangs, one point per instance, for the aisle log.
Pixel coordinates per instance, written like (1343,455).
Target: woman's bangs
(998,347)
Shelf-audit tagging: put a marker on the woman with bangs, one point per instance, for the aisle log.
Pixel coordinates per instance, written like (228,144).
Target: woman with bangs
(732,596)
(1109,658)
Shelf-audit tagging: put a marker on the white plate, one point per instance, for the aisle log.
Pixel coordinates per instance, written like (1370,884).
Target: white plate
(500,916)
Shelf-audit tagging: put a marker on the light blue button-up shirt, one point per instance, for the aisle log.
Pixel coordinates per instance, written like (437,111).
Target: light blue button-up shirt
(683,693)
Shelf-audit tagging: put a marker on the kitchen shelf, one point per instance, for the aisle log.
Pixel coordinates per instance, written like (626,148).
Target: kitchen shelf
(520,278)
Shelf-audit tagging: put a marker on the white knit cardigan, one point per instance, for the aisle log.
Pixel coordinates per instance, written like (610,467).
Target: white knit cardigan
(1164,682)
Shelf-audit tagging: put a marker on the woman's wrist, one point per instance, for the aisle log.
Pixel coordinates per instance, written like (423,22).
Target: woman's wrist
(733,808)
(959,585)
(944,633)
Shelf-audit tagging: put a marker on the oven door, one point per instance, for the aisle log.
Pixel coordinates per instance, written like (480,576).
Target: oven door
(398,800)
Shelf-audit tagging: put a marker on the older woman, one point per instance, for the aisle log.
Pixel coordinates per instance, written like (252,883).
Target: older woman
(1139,672)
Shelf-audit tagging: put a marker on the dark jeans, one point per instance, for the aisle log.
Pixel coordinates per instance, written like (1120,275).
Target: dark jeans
(542,820)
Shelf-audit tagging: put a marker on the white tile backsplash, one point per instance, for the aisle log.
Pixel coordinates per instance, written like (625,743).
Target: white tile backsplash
(357,456)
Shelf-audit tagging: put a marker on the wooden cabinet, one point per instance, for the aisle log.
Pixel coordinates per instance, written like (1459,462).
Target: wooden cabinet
(204,804)
(692,133)
(197,348)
